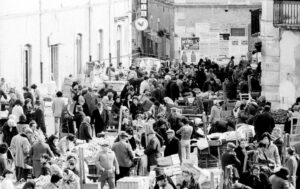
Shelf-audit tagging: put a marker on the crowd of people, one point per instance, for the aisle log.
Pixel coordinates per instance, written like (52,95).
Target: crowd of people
(147,117)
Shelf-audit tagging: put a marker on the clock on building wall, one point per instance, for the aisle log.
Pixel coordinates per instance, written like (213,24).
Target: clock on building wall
(141,24)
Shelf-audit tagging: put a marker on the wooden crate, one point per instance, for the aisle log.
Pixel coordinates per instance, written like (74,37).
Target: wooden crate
(91,186)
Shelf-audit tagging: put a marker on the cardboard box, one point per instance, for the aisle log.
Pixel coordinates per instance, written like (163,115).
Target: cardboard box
(172,170)
(168,161)
(133,183)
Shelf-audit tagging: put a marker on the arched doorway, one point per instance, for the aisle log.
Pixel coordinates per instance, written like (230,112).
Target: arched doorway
(27,65)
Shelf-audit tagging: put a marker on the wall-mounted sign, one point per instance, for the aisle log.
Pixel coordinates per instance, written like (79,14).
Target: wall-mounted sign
(190,43)
(144,8)
(141,24)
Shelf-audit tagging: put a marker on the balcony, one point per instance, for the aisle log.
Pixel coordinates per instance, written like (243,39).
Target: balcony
(286,14)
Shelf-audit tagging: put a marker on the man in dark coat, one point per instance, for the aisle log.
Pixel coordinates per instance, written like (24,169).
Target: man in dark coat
(172,89)
(39,117)
(78,118)
(264,122)
(135,107)
(152,150)
(100,118)
(172,144)
(174,120)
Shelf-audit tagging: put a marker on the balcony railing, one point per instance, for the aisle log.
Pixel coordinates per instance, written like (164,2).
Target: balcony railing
(286,14)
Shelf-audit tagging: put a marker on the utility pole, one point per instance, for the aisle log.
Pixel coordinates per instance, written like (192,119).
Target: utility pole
(109,38)
(90,30)
(40,40)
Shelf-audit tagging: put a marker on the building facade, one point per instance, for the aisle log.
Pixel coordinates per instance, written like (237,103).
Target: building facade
(44,41)
(280,36)
(216,29)
(157,40)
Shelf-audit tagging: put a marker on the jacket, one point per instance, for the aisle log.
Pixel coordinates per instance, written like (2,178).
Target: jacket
(85,132)
(123,153)
(39,117)
(58,106)
(8,134)
(215,114)
(20,148)
(270,152)
(230,158)
(172,90)
(292,165)
(172,147)
(38,149)
(153,151)
(90,100)
(279,183)
(100,121)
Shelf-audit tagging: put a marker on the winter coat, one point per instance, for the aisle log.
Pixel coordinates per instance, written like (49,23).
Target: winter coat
(20,148)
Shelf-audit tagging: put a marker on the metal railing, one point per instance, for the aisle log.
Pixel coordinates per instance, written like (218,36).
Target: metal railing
(286,14)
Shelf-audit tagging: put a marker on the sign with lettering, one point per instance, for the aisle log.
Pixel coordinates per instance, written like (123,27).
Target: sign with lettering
(144,8)
(190,43)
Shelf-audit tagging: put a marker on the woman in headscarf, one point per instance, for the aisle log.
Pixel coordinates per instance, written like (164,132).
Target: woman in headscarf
(70,180)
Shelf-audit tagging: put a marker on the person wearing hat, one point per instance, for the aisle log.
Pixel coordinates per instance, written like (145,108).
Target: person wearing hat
(230,158)
(39,117)
(7,182)
(9,130)
(153,149)
(162,182)
(107,165)
(280,180)
(20,147)
(124,155)
(172,144)
(291,164)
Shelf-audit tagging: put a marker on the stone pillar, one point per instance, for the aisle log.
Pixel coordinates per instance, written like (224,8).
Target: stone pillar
(270,55)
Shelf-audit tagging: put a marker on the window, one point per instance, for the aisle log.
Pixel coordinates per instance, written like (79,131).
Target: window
(27,65)
(54,62)
(238,32)
(79,53)
(100,45)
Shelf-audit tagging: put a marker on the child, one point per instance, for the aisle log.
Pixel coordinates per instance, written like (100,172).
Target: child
(7,182)
(3,157)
